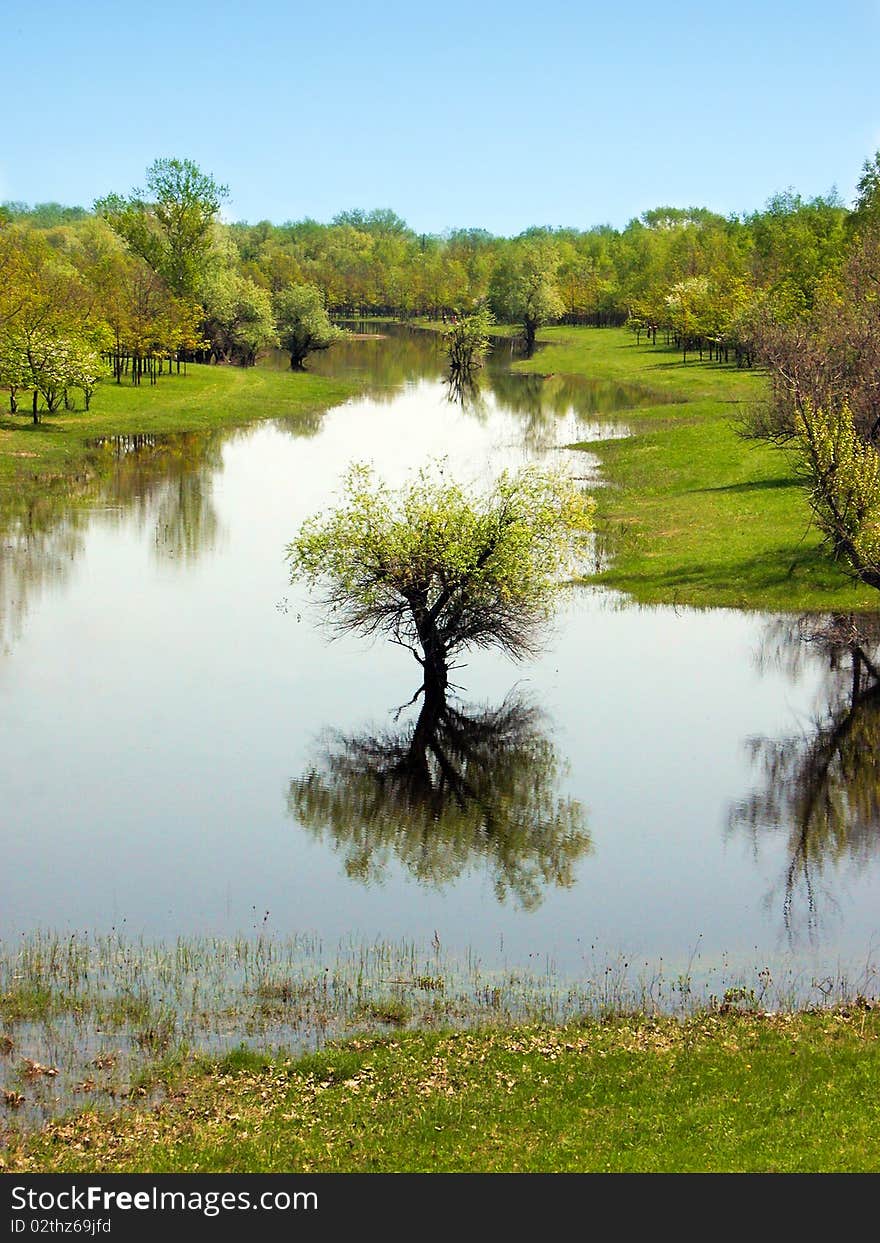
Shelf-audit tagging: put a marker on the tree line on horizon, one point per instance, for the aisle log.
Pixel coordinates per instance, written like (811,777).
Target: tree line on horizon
(149,278)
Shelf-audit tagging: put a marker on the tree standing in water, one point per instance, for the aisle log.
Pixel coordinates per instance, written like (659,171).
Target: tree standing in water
(438,570)
(467,342)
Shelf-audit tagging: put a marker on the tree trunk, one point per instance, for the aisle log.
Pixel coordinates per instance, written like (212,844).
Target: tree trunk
(531,330)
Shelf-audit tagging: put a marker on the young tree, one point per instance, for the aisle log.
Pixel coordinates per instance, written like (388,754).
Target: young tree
(439,571)
(467,341)
(83,365)
(303,323)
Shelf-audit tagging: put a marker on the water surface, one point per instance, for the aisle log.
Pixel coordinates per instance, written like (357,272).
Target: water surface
(183,751)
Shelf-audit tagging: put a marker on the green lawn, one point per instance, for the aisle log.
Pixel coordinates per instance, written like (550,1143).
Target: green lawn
(715,1093)
(693,513)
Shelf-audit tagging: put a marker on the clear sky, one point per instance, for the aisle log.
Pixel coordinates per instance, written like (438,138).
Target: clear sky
(490,113)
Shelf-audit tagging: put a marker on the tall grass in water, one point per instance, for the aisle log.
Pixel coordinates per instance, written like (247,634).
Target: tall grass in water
(89,1018)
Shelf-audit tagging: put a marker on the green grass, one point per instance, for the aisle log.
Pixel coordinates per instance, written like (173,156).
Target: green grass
(54,456)
(717,1092)
(695,514)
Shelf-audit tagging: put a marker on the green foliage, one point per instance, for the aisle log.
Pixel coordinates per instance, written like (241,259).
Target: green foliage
(866,213)
(239,318)
(525,288)
(303,323)
(169,224)
(843,477)
(438,569)
(467,340)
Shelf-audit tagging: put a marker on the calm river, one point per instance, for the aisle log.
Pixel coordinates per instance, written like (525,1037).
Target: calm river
(182,751)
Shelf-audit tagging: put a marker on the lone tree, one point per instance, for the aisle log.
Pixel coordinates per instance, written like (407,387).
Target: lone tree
(303,323)
(467,342)
(437,570)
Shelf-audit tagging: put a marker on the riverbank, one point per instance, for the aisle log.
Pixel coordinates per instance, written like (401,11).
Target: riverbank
(56,456)
(718,1092)
(694,514)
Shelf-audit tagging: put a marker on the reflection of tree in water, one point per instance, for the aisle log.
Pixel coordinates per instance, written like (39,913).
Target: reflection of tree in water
(456,787)
(37,550)
(465,390)
(397,355)
(822,788)
(167,482)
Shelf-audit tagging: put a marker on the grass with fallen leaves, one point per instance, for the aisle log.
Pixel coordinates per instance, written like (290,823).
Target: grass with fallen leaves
(716,1092)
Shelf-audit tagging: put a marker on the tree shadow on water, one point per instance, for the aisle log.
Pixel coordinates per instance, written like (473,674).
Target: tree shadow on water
(457,788)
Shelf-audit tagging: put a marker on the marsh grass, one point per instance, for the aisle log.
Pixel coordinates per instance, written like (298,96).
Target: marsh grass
(109,1018)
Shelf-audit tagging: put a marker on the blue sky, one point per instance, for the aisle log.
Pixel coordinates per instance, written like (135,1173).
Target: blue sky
(491,114)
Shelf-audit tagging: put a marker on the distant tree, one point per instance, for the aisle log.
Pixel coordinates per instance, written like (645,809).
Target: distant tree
(169,224)
(866,210)
(467,341)
(303,323)
(440,571)
(525,288)
(380,220)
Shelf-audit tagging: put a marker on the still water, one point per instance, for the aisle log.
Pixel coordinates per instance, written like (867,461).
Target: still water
(183,751)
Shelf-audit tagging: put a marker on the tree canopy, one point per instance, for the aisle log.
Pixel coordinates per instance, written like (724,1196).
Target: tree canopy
(303,323)
(169,224)
(438,569)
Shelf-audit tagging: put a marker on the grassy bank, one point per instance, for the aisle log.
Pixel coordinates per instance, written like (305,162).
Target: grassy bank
(695,514)
(55,455)
(718,1092)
